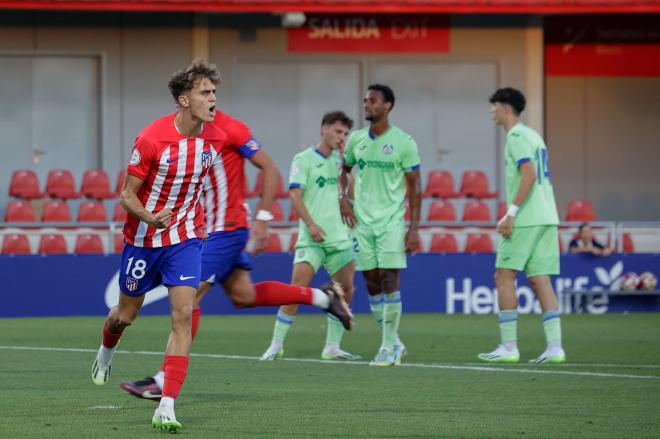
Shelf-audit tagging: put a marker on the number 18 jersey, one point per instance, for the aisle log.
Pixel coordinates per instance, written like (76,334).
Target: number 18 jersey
(523,144)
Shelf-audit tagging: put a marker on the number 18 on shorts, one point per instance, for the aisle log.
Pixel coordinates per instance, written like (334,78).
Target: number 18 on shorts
(143,269)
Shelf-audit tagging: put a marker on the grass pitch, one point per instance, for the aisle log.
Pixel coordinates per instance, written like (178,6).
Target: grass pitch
(609,389)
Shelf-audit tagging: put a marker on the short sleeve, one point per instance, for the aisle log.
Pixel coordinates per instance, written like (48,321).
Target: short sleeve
(142,157)
(298,174)
(410,157)
(519,149)
(349,152)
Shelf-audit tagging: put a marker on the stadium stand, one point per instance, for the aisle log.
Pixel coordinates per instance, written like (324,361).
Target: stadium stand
(118,242)
(15,244)
(19,211)
(443,243)
(52,244)
(441,211)
(96,185)
(61,184)
(479,243)
(292,242)
(88,243)
(580,210)
(474,184)
(56,211)
(476,211)
(25,184)
(92,211)
(440,184)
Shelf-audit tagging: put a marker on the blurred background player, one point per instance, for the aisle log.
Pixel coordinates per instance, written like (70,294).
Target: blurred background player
(223,258)
(387,159)
(585,242)
(323,238)
(530,239)
(165,223)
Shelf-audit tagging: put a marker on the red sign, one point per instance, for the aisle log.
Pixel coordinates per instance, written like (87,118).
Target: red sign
(602,45)
(376,33)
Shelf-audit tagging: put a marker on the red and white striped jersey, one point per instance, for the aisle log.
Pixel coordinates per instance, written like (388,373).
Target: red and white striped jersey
(172,167)
(224,186)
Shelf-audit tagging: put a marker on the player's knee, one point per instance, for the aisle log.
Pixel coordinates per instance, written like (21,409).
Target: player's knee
(243,298)
(118,323)
(182,316)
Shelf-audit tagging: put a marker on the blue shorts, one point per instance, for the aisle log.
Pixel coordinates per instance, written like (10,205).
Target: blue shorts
(222,253)
(143,269)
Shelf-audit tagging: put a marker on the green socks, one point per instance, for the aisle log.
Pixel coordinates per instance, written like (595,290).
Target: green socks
(335,332)
(509,329)
(391,319)
(376,306)
(552,328)
(282,324)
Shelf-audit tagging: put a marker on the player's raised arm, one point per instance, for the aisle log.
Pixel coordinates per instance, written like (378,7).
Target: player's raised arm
(264,162)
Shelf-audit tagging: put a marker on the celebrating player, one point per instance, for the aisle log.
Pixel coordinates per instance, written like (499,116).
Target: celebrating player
(162,234)
(529,232)
(387,160)
(223,259)
(323,239)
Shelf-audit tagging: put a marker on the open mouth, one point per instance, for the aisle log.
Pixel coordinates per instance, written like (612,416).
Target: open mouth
(212,109)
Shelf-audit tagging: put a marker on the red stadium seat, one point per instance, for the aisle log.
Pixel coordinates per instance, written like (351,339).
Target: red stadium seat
(15,244)
(628,245)
(96,184)
(476,211)
(580,210)
(120,182)
(293,215)
(292,242)
(259,186)
(119,214)
(274,244)
(19,211)
(60,184)
(475,184)
(479,243)
(92,211)
(25,184)
(443,243)
(119,242)
(440,184)
(52,244)
(442,211)
(88,243)
(56,211)
(276,210)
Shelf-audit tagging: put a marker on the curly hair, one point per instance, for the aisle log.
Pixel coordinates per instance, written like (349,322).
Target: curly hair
(184,80)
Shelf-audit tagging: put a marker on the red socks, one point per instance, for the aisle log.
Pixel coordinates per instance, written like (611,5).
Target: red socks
(175,367)
(196,314)
(110,339)
(271,293)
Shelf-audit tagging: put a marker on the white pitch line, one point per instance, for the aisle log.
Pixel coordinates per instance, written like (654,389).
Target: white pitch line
(458,366)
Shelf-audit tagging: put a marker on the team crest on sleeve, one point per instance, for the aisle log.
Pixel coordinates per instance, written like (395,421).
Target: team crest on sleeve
(131,284)
(253,144)
(295,170)
(387,149)
(207,158)
(135,157)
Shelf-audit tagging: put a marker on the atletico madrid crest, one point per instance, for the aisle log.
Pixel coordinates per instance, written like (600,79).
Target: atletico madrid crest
(206,159)
(131,284)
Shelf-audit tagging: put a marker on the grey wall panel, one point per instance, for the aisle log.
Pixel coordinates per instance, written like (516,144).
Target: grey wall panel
(283,102)
(445,106)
